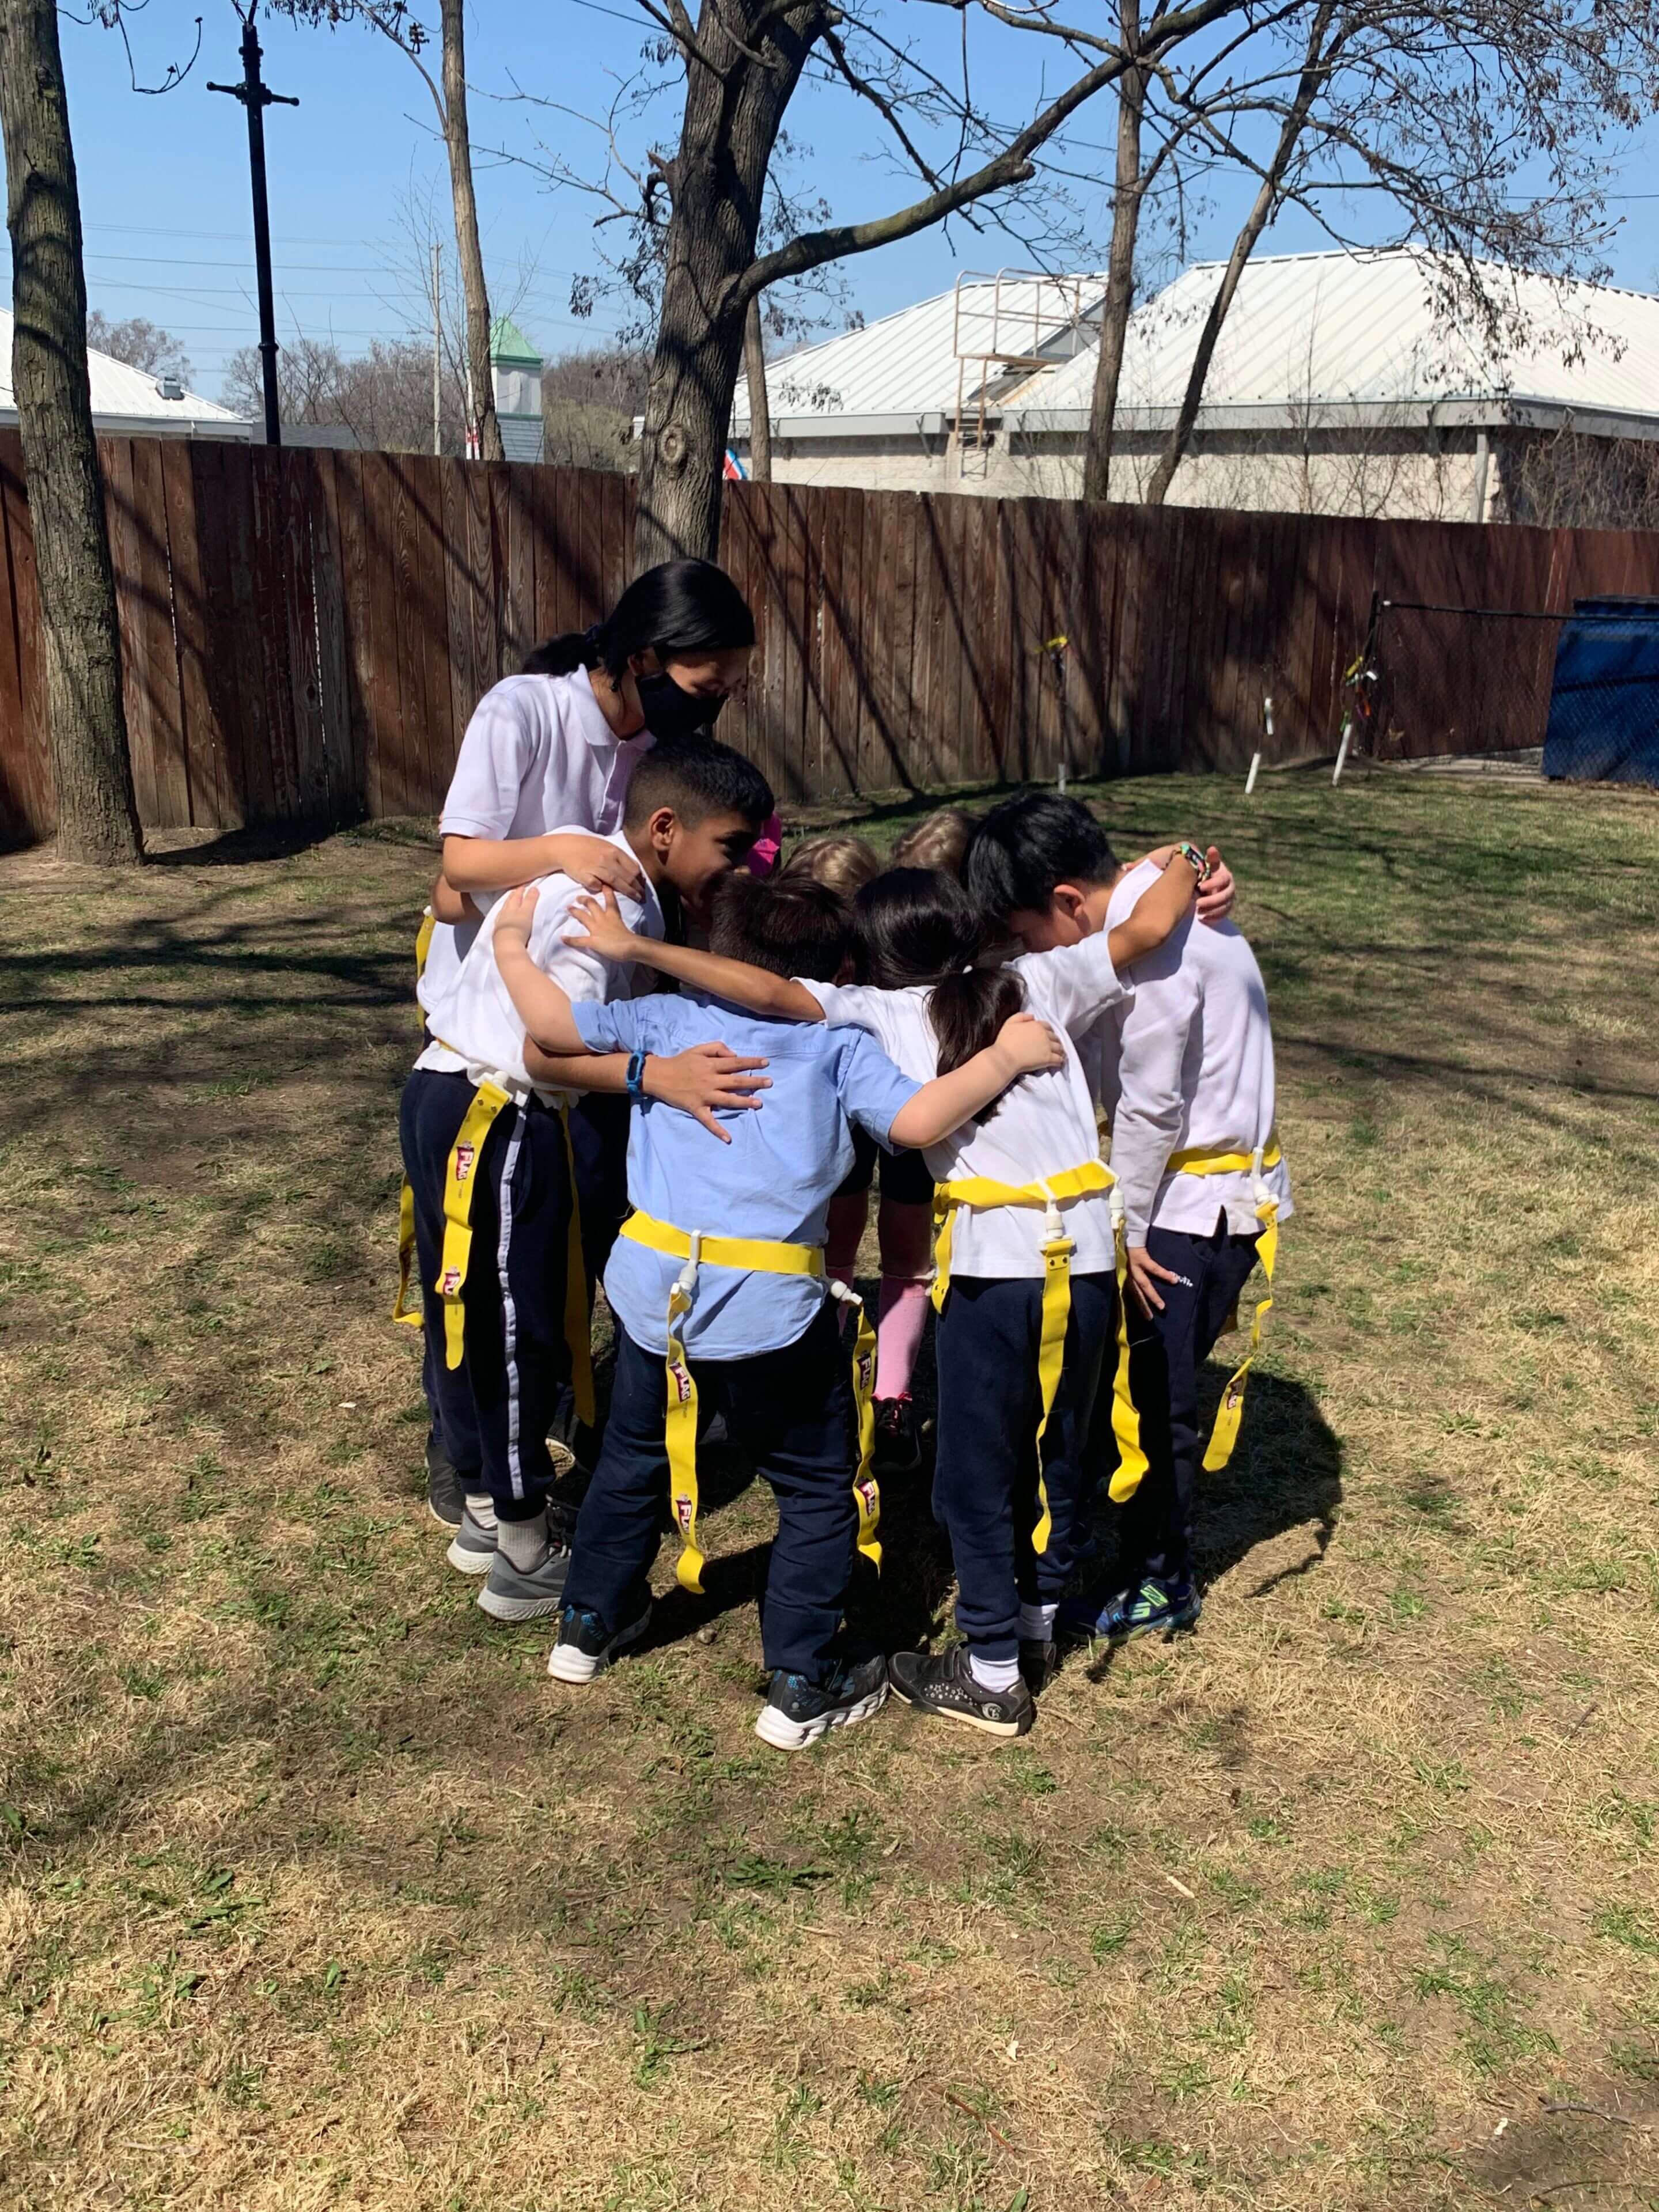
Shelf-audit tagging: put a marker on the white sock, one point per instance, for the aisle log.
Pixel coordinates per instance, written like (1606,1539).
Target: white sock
(1036,1622)
(994,1674)
(481,1506)
(524,1542)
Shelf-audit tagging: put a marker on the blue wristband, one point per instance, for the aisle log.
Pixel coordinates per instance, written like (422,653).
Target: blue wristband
(636,1079)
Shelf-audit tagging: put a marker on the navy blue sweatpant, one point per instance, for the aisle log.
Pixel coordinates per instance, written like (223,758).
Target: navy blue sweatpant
(598,1144)
(791,1412)
(494,1411)
(985,1481)
(1166,1350)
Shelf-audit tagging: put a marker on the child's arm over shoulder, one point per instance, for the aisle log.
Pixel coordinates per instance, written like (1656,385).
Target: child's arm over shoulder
(542,1005)
(598,925)
(1023,1046)
(703,1080)
(1159,910)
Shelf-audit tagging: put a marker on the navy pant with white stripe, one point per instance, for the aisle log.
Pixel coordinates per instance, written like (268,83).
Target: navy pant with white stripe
(1166,1350)
(985,1482)
(791,1410)
(498,1405)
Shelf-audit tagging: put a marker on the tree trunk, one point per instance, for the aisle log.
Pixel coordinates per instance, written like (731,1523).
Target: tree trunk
(760,402)
(733,113)
(97,819)
(458,140)
(1120,267)
(1313,75)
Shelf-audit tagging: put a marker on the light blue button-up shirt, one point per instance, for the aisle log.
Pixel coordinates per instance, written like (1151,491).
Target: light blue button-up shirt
(773,1181)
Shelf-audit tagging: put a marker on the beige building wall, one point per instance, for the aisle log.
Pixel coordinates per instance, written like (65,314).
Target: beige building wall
(1395,474)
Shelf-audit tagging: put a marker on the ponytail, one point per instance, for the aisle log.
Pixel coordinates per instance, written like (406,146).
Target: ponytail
(967,1011)
(678,609)
(918,926)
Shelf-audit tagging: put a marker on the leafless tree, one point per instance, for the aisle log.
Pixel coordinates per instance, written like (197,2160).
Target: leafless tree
(697,211)
(382,397)
(395,20)
(140,343)
(97,818)
(1482,124)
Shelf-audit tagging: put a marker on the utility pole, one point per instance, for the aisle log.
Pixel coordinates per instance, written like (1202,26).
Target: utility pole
(437,350)
(256,96)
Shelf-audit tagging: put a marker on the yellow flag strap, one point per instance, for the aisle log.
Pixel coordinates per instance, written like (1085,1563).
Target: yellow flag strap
(1057,1250)
(459,1177)
(1131,1461)
(1225,1435)
(757,1256)
(578,1323)
(402,1308)
(866,1494)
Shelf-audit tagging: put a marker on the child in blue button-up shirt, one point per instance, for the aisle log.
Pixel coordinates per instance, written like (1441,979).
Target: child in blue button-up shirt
(759,1332)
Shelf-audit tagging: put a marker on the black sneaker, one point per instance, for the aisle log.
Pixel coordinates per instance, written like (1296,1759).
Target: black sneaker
(798,1711)
(446,1492)
(586,1647)
(943,1683)
(898,1448)
(1039,1662)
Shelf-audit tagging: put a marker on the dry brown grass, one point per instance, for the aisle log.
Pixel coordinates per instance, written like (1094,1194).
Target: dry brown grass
(315,1892)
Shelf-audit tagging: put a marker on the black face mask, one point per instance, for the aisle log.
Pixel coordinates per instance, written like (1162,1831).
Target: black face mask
(671,714)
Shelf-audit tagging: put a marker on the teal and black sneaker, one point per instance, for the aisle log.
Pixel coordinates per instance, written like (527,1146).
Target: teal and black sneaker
(1153,1608)
(799,1710)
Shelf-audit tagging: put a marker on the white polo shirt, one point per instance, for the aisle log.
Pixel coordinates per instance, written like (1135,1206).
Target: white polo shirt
(1044,1124)
(1187,1061)
(539,755)
(475,1027)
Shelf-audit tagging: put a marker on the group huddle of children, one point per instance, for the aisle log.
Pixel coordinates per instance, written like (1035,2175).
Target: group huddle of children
(656,1057)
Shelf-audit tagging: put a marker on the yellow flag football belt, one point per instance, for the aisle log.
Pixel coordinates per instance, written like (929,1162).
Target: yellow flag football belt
(460,1177)
(403,1307)
(1230,1412)
(757,1257)
(1057,1250)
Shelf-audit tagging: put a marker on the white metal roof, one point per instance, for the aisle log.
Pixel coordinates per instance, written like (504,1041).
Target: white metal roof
(126,403)
(1359,335)
(1366,330)
(905,365)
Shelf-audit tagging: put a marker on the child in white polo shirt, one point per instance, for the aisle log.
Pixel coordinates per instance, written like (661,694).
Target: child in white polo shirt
(1185,1071)
(488,1150)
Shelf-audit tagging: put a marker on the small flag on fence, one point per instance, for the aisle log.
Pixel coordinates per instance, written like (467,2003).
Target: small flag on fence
(734,471)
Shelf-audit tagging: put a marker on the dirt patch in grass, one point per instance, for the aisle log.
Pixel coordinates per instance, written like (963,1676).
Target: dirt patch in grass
(314,1891)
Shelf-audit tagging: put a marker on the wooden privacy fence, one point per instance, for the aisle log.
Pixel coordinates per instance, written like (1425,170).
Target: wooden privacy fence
(304,633)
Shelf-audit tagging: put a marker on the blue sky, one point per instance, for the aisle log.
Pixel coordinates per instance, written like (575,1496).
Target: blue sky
(164,181)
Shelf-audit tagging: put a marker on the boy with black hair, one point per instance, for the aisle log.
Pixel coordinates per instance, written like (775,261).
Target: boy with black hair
(744,1311)
(1184,1068)
(498,1189)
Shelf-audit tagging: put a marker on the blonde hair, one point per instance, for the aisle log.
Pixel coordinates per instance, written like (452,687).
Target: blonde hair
(840,861)
(938,840)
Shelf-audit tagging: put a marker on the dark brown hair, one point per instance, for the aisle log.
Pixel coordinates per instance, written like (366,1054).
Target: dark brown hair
(918,926)
(788,924)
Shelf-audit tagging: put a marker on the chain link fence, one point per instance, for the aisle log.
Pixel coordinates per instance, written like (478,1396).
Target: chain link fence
(1579,689)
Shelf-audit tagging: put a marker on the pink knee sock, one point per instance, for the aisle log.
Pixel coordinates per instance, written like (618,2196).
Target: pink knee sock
(901,1316)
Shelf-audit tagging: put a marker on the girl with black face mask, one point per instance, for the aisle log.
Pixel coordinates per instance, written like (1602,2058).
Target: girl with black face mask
(539,786)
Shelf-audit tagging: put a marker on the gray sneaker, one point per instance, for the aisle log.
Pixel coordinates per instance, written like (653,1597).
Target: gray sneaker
(473,1552)
(511,1595)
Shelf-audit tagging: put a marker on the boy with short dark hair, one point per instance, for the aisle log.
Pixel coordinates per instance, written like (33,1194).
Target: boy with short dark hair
(741,1308)
(497,1188)
(1184,1068)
